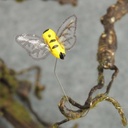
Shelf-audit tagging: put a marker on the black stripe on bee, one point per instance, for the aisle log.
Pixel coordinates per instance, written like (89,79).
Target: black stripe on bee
(45,31)
(55,46)
(53,40)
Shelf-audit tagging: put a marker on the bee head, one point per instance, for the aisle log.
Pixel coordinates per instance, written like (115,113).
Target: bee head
(48,34)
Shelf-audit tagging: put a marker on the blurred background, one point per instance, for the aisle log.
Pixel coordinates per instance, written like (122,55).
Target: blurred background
(78,72)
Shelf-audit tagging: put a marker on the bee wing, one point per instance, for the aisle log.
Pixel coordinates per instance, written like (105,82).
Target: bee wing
(34,45)
(66,32)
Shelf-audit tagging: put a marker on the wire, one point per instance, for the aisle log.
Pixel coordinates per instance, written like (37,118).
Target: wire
(62,88)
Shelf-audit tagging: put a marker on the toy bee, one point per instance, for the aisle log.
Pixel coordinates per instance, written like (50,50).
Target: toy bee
(50,42)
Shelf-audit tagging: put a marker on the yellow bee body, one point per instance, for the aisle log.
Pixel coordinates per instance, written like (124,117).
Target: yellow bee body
(56,48)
